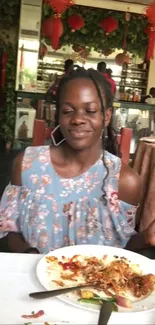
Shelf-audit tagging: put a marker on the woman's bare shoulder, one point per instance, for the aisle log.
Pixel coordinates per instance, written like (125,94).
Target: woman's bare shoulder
(17,170)
(129,185)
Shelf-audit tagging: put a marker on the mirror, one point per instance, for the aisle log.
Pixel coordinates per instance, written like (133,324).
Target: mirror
(28,45)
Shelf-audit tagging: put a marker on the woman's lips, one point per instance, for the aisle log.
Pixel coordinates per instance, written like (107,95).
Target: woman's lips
(79,134)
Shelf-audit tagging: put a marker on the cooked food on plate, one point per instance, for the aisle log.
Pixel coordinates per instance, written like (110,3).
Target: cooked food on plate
(113,278)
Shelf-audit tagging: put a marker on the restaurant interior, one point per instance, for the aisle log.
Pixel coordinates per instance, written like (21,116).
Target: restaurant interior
(36,39)
(116,32)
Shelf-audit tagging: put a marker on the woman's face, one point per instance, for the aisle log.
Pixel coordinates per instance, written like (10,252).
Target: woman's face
(81,118)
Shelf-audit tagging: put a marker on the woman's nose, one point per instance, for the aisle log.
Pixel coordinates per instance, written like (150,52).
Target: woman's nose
(78,118)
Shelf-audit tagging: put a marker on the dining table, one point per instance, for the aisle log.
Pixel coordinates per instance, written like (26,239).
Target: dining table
(18,278)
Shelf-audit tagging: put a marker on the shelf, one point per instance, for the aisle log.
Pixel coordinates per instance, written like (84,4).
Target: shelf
(135,69)
(133,78)
(130,86)
(45,68)
(134,105)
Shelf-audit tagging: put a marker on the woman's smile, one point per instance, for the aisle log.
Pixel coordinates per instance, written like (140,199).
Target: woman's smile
(78,133)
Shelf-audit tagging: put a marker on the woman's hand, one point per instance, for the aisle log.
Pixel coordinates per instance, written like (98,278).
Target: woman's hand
(142,240)
(32,250)
(149,234)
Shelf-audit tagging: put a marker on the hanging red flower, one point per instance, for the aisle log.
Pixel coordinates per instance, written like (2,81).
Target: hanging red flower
(75,22)
(151,43)
(59,6)
(150,13)
(42,51)
(47,27)
(122,58)
(109,24)
(53,28)
(57,31)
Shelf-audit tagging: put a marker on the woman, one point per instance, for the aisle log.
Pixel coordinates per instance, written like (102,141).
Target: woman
(74,192)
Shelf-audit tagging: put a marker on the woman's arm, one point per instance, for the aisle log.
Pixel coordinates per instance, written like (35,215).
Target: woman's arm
(129,189)
(14,241)
(17,170)
(138,242)
(130,192)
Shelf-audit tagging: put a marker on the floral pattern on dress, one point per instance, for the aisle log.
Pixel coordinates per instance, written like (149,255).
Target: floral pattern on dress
(53,212)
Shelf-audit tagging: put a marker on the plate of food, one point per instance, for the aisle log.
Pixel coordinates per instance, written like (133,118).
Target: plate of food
(114,274)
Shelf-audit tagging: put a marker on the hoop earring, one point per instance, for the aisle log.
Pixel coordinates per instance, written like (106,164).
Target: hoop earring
(53,139)
(102,133)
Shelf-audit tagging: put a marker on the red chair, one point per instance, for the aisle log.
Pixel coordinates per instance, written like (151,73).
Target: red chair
(124,141)
(41,133)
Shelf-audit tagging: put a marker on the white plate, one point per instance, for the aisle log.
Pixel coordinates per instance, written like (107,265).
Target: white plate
(146,266)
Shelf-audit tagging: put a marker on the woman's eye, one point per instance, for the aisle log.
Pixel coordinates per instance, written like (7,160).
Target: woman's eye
(91,111)
(68,112)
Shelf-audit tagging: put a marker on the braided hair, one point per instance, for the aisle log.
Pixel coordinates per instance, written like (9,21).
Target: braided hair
(103,88)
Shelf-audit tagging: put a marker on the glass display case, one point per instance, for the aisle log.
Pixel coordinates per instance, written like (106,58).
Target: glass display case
(28,45)
(133,82)
(137,116)
(52,65)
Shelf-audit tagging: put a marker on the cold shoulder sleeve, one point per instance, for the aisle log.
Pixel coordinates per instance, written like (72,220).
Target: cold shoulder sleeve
(10,210)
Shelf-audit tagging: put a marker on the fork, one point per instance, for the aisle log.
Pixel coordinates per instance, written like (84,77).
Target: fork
(57,292)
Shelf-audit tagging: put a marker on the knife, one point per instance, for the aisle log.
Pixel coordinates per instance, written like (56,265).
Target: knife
(57,292)
(105,313)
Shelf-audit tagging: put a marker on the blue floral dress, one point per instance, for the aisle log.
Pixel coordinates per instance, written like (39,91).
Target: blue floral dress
(52,212)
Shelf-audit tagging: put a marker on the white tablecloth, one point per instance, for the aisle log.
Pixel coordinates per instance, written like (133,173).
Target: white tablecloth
(18,279)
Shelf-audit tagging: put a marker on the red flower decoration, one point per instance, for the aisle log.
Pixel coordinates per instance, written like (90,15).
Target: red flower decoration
(109,24)
(150,12)
(75,22)
(122,58)
(59,6)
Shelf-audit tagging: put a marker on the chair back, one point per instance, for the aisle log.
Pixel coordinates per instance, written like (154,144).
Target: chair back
(124,141)
(42,133)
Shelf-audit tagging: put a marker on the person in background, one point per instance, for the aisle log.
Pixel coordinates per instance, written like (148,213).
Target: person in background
(108,74)
(68,66)
(101,67)
(52,91)
(150,99)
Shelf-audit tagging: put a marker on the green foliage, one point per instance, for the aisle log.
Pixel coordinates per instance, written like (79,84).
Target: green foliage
(93,36)
(9,105)
(9,12)
(9,17)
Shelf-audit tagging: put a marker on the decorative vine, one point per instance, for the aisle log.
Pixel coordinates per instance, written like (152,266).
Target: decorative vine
(9,23)
(9,13)
(92,36)
(9,103)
